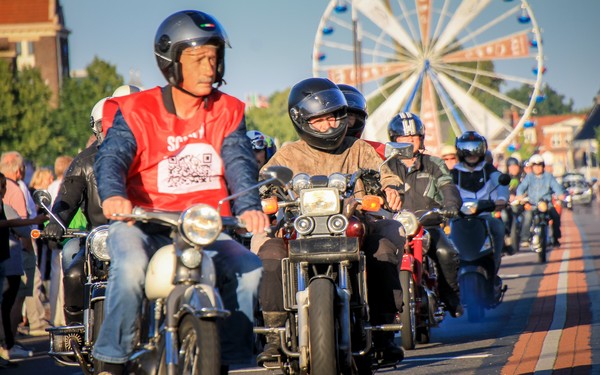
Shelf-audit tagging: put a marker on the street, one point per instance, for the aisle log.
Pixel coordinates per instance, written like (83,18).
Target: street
(549,321)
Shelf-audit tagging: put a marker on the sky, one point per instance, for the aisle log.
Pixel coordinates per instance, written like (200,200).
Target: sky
(272,40)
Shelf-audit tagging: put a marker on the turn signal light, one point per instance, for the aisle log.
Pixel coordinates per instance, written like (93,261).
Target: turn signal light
(371,203)
(269,205)
(36,233)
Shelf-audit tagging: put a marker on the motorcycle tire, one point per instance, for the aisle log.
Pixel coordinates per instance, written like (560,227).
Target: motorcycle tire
(543,244)
(199,347)
(472,287)
(322,331)
(409,314)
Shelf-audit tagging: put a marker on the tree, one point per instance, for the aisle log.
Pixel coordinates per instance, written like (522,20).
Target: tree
(71,120)
(553,104)
(8,111)
(274,121)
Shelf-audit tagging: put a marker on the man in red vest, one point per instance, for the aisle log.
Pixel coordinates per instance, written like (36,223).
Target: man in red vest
(168,148)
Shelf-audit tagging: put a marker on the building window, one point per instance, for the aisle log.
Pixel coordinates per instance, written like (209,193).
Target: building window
(31,48)
(18,48)
(556,141)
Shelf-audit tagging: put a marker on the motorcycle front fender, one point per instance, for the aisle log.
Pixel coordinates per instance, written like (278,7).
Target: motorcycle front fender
(408,262)
(473,268)
(203,301)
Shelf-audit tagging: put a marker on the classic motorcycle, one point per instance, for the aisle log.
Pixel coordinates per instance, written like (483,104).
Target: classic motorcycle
(71,345)
(541,232)
(472,235)
(177,330)
(423,308)
(324,277)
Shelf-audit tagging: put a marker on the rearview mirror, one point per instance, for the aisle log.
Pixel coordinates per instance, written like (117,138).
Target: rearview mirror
(504,179)
(281,174)
(399,149)
(42,198)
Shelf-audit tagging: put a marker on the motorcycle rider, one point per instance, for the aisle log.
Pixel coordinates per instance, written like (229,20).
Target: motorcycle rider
(427,185)
(539,185)
(79,191)
(511,212)
(476,179)
(357,116)
(264,146)
(152,139)
(448,155)
(317,109)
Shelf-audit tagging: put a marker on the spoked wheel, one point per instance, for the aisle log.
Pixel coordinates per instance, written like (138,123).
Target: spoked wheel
(473,289)
(322,335)
(543,246)
(199,347)
(408,316)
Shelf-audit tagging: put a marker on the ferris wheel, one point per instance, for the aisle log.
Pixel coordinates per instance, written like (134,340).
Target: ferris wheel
(449,61)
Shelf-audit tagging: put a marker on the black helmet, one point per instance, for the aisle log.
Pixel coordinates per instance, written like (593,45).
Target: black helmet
(406,124)
(512,161)
(357,104)
(315,97)
(470,143)
(188,28)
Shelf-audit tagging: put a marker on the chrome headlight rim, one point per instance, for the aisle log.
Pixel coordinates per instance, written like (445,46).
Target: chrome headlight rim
(304,225)
(200,224)
(337,181)
(409,221)
(300,182)
(96,243)
(337,224)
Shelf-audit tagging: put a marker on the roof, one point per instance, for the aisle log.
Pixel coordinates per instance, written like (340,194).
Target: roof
(542,121)
(588,129)
(25,11)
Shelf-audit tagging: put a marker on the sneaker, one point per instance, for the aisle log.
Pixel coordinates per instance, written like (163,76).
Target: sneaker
(17,351)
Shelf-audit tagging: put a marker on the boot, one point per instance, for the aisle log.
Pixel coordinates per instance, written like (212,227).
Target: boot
(272,319)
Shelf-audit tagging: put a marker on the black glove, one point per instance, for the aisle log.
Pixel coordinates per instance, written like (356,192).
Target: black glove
(53,231)
(450,212)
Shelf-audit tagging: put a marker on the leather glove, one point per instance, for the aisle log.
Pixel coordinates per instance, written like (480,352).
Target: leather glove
(53,231)
(450,212)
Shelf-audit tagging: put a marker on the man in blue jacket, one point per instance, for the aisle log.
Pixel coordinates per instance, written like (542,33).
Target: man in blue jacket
(539,185)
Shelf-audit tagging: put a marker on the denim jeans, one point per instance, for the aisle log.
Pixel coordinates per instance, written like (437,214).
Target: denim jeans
(238,276)
(70,249)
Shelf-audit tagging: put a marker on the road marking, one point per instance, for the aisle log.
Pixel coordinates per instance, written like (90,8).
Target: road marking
(429,359)
(550,347)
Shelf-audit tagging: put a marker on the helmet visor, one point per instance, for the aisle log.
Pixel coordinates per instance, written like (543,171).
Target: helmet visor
(471,148)
(320,103)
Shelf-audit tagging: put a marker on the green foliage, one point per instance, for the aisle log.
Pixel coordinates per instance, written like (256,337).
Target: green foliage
(273,121)
(554,104)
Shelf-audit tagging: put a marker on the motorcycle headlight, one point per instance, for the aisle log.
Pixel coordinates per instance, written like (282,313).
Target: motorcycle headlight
(338,181)
(469,208)
(96,243)
(542,206)
(319,202)
(300,181)
(409,222)
(191,257)
(201,224)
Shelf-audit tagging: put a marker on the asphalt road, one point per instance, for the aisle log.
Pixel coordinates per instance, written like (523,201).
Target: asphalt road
(549,321)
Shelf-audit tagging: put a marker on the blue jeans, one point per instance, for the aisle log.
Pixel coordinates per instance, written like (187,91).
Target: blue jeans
(238,275)
(70,249)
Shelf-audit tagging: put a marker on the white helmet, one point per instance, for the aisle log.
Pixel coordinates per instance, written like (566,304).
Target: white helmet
(536,159)
(96,115)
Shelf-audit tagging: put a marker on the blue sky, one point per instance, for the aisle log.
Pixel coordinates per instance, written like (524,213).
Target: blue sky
(272,40)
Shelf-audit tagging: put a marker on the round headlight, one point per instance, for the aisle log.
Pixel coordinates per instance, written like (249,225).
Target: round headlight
(191,257)
(201,224)
(542,206)
(96,243)
(409,222)
(304,225)
(337,223)
(338,181)
(300,181)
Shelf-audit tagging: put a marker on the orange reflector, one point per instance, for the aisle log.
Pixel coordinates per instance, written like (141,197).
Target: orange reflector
(269,205)
(371,203)
(447,230)
(36,233)
(527,206)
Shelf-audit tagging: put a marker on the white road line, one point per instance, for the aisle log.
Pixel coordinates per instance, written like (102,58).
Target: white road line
(550,348)
(429,359)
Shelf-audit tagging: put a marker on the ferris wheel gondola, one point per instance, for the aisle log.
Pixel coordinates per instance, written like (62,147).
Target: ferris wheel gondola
(450,61)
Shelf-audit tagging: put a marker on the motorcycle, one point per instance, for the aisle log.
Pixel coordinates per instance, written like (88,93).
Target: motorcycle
(472,235)
(423,308)
(176,332)
(541,232)
(324,276)
(72,345)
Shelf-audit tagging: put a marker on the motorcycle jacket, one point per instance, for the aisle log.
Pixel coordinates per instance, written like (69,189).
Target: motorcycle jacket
(352,154)
(168,163)
(80,190)
(427,184)
(480,182)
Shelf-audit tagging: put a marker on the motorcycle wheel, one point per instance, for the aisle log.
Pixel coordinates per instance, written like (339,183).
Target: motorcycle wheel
(473,289)
(543,244)
(321,324)
(199,347)
(408,316)
(514,236)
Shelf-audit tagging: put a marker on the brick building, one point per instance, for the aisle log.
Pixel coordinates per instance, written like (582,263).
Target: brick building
(33,33)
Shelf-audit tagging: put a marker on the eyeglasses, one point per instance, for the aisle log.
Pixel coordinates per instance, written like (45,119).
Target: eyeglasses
(258,144)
